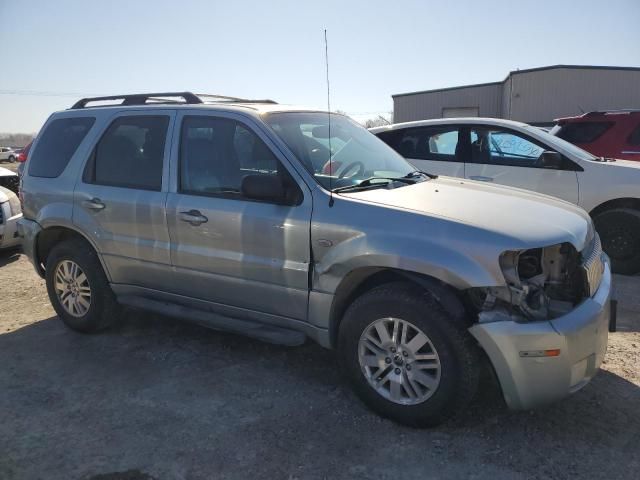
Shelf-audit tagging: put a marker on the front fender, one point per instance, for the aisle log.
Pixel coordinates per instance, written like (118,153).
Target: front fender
(417,255)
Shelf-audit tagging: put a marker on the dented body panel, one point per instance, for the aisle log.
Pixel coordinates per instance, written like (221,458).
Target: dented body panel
(529,379)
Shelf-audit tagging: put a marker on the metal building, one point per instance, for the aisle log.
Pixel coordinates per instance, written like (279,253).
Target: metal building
(536,95)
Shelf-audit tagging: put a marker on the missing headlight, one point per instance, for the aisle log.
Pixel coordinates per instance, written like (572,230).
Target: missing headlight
(542,283)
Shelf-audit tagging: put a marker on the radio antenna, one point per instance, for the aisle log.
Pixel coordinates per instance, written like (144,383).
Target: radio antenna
(326,61)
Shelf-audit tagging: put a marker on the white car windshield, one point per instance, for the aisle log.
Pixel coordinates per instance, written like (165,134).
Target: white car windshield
(340,154)
(559,143)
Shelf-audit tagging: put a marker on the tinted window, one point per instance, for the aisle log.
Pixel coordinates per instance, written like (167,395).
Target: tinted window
(130,153)
(57,145)
(428,143)
(583,132)
(216,153)
(502,147)
(634,138)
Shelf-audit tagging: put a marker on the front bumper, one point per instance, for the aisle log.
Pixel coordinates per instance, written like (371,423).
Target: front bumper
(581,336)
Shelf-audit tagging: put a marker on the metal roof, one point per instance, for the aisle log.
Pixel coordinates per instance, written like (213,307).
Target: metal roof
(516,72)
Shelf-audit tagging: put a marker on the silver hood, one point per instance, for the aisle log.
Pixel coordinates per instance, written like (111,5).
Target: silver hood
(530,219)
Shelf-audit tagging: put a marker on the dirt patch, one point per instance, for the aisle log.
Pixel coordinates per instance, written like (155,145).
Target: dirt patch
(156,398)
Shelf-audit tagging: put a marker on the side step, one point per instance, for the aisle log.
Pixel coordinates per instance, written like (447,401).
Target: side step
(259,331)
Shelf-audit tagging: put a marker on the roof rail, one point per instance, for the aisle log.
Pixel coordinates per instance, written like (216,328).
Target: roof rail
(140,99)
(165,98)
(223,98)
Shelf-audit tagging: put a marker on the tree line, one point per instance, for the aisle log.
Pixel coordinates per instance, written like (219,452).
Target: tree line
(15,139)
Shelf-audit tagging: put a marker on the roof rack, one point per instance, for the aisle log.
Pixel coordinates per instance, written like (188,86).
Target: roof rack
(141,99)
(165,98)
(222,98)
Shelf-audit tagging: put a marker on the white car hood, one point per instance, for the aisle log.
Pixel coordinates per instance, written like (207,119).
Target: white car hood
(530,219)
(5,172)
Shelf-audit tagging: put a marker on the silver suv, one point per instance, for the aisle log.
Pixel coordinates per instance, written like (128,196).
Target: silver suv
(282,223)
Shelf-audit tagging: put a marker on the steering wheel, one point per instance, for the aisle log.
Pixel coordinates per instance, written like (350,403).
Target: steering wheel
(342,171)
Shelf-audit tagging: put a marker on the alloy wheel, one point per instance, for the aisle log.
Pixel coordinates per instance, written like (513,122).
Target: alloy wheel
(72,288)
(399,361)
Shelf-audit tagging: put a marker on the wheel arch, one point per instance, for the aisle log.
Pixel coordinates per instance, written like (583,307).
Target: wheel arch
(361,280)
(625,202)
(49,237)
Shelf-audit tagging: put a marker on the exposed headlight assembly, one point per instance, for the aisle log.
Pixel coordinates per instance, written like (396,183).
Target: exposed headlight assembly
(541,283)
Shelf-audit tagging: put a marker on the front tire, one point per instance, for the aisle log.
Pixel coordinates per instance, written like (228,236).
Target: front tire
(406,357)
(619,231)
(78,288)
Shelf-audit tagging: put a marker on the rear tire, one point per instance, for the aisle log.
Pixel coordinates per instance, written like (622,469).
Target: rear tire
(78,288)
(12,159)
(452,384)
(619,231)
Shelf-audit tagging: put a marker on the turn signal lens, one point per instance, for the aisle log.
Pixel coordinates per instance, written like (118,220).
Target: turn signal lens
(555,352)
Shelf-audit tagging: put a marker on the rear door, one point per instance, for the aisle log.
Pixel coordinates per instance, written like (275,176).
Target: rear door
(433,149)
(508,157)
(120,199)
(240,254)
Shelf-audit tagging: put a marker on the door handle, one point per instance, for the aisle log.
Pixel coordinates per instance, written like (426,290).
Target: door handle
(480,178)
(194,217)
(93,204)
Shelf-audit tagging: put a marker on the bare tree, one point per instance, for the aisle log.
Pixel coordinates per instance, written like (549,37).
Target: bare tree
(377,122)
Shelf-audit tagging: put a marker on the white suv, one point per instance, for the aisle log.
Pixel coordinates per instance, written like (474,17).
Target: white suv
(9,154)
(524,156)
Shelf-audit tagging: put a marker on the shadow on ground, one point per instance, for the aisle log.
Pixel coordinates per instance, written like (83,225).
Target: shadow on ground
(9,255)
(157,398)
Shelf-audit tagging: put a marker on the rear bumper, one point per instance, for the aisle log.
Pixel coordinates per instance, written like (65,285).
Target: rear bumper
(28,231)
(581,336)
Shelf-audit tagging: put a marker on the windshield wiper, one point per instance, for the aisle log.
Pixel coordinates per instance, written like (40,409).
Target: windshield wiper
(372,183)
(417,173)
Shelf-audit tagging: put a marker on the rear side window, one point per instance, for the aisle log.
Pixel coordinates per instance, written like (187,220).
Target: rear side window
(583,132)
(634,138)
(57,145)
(130,153)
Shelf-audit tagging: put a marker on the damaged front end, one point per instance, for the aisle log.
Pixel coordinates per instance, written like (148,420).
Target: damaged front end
(541,283)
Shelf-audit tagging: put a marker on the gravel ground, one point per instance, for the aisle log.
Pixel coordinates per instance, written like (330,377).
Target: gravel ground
(159,399)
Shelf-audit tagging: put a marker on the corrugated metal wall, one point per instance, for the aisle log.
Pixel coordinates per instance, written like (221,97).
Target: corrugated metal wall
(537,96)
(420,106)
(544,95)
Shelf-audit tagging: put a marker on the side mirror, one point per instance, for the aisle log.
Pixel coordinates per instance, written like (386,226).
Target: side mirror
(550,159)
(268,188)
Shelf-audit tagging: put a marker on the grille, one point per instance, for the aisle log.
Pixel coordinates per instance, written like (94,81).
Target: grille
(1,214)
(593,265)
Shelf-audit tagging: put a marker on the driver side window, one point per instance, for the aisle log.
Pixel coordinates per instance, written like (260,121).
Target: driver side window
(503,147)
(216,154)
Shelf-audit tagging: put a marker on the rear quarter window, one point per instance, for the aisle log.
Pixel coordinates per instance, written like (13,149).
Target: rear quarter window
(583,132)
(57,145)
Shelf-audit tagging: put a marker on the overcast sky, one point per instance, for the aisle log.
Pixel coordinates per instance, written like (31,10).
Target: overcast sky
(52,52)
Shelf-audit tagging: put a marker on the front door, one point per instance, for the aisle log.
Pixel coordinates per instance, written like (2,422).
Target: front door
(507,157)
(225,248)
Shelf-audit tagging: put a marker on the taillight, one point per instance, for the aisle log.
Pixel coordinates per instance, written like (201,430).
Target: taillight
(22,156)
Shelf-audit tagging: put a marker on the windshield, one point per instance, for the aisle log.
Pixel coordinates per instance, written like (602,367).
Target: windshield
(356,154)
(563,144)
